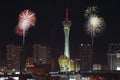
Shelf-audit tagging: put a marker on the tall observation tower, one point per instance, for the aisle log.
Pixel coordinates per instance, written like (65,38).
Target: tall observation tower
(64,60)
(67,24)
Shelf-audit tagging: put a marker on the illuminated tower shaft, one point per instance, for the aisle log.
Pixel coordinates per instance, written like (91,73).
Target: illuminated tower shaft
(67,24)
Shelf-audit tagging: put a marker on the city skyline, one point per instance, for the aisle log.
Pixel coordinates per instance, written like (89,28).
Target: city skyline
(49,29)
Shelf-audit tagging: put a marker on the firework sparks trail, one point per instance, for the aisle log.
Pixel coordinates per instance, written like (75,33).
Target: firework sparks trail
(26,20)
(95,24)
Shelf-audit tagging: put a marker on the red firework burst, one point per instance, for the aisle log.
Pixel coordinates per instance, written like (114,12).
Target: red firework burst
(26,19)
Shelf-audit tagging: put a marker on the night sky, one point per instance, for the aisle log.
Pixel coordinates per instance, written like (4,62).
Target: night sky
(49,29)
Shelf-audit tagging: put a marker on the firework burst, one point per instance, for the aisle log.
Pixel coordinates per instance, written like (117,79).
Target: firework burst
(91,11)
(26,20)
(95,24)
(27,16)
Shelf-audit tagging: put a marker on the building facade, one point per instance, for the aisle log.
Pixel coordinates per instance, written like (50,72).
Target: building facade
(13,57)
(41,54)
(0,56)
(113,56)
(86,53)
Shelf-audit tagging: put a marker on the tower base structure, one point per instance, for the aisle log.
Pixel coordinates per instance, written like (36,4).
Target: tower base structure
(66,64)
(63,63)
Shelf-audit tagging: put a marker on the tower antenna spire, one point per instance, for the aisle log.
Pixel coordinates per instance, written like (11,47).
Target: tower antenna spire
(67,14)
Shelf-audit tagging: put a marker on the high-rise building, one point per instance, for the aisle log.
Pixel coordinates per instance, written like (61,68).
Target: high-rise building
(66,57)
(86,53)
(41,54)
(77,65)
(113,56)
(13,57)
(67,24)
(0,55)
